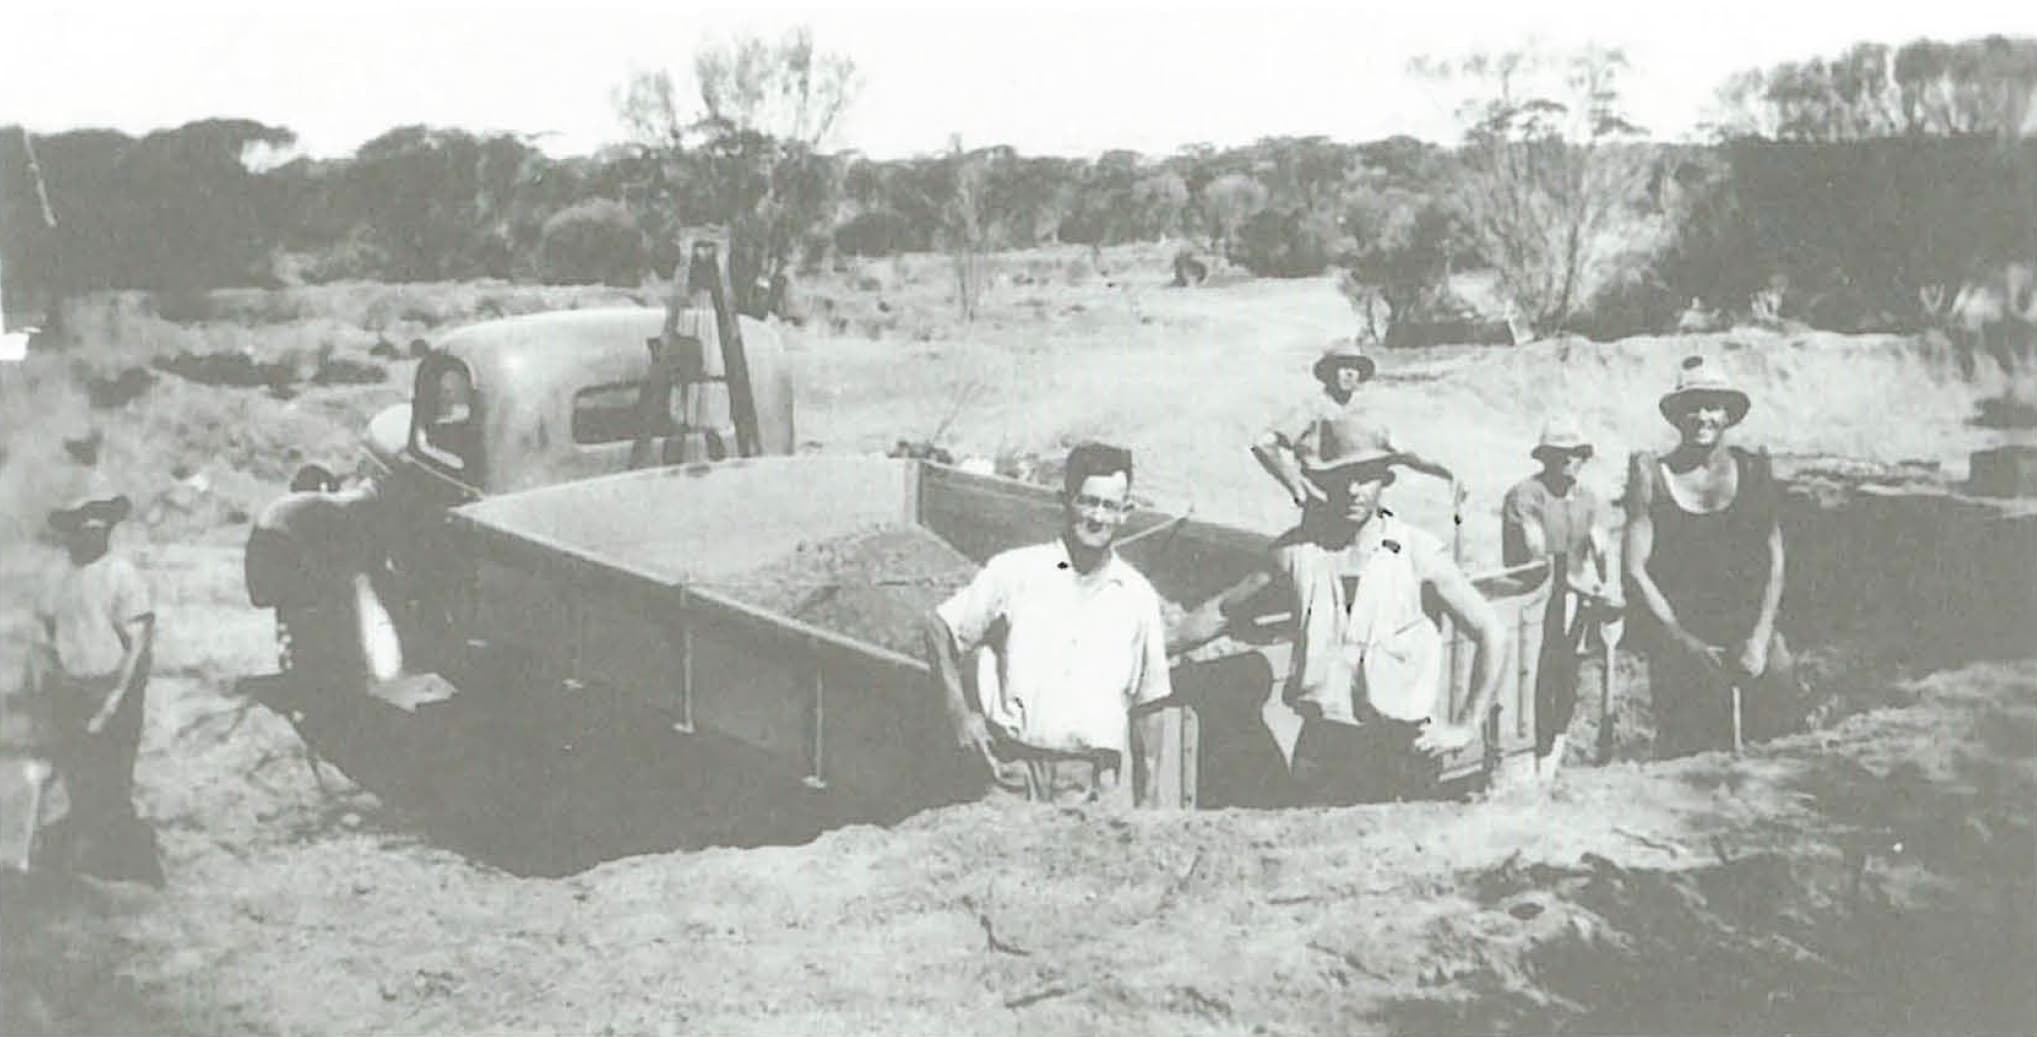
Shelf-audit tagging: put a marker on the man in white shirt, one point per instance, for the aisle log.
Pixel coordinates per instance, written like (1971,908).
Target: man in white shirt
(1080,646)
(88,668)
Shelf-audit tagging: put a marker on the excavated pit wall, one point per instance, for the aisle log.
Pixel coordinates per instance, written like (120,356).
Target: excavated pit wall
(1935,576)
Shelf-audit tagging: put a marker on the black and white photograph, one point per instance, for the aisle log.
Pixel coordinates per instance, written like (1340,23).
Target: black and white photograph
(1142,518)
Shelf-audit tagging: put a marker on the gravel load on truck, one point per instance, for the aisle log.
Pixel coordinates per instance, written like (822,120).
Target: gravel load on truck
(872,585)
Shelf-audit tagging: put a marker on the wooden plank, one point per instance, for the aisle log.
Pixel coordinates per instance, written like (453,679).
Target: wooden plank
(817,774)
(685,722)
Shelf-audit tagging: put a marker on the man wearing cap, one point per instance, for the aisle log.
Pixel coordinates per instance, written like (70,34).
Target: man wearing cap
(1547,514)
(1366,675)
(1080,647)
(1284,449)
(1703,561)
(89,663)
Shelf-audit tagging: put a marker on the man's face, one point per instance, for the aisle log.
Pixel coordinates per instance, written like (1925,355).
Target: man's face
(87,539)
(1566,464)
(1703,422)
(1097,508)
(1355,492)
(1345,380)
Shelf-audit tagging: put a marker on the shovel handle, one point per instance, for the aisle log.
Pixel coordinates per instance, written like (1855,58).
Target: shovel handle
(1605,700)
(1737,743)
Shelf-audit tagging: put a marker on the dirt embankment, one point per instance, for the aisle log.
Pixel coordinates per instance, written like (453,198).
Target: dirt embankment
(1874,877)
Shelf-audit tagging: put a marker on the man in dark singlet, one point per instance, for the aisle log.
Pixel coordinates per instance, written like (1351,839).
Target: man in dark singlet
(1703,563)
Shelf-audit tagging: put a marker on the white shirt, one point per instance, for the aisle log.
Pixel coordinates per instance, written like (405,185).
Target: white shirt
(1077,651)
(1370,643)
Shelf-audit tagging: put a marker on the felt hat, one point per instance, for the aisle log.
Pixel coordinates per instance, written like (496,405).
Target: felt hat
(1344,353)
(89,497)
(1699,380)
(1560,434)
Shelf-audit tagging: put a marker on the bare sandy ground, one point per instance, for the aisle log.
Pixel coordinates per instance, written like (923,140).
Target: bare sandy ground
(1876,876)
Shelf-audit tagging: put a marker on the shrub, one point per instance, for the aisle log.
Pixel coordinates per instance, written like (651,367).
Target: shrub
(1286,243)
(1633,302)
(594,242)
(878,232)
(355,257)
(1401,253)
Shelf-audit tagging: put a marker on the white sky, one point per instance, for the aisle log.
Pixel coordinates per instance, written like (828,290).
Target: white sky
(1045,78)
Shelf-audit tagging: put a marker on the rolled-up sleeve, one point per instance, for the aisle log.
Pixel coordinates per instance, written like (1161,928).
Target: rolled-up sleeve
(972,611)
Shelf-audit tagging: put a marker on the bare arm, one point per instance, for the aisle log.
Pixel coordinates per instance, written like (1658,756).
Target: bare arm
(1598,548)
(1208,621)
(1771,594)
(1475,616)
(35,668)
(1152,688)
(945,660)
(1277,457)
(1416,462)
(1149,736)
(1639,543)
(1534,536)
(137,637)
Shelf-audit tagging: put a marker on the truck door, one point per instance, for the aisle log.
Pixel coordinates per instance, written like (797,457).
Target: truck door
(427,579)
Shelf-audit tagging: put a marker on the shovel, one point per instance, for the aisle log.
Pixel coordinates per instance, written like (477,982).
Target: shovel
(18,851)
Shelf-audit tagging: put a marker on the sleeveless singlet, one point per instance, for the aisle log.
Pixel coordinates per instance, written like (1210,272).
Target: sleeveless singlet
(1712,566)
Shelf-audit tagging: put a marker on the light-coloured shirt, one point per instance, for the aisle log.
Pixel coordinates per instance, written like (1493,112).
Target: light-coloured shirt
(1565,521)
(1074,652)
(81,611)
(1363,642)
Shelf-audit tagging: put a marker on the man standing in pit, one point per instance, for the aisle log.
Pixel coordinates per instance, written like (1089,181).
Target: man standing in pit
(1367,667)
(1285,450)
(1547,514)
(89,667)
(1703,561)
(1080,647)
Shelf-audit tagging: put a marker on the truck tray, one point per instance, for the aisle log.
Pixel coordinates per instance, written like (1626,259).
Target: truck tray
(636,582)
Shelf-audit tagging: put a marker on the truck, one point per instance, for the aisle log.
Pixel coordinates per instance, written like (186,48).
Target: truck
(504,544)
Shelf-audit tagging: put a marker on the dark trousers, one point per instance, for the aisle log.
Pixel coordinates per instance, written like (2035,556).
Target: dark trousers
(1374,762)
(102,834)
(98,769)
(1694,704)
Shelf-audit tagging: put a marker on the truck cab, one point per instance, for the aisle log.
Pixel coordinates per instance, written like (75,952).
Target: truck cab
(530,401)
(496,408)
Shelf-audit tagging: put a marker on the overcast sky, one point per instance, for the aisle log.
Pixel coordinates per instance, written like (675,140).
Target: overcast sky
(1046,78)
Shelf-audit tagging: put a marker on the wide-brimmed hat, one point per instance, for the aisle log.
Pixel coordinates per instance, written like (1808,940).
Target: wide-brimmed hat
(1348,441)
(1699,379)
(1560,434)
(1344,353)
(89,496)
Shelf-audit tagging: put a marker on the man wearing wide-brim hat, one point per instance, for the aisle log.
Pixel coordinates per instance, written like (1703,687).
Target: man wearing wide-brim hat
(1552,514)
(89,667)
(1704,566)
(1285,449)
(1367,672)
